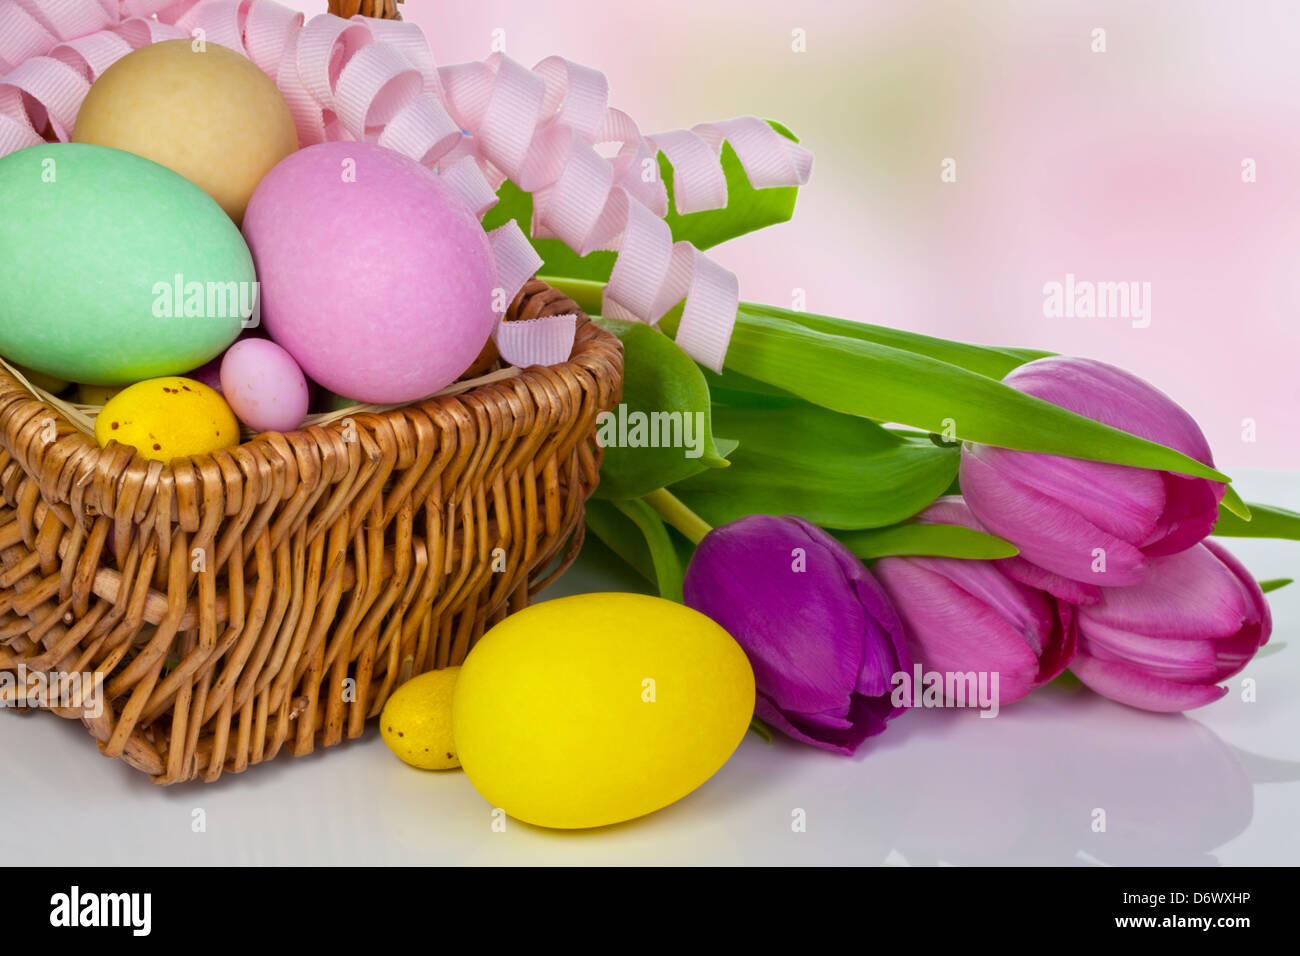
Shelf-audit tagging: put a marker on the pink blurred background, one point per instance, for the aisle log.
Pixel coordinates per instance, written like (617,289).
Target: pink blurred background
(1116,166)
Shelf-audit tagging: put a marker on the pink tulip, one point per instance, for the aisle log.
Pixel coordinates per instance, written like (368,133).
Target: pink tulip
(963,616)
(1165,644)
(1085,524)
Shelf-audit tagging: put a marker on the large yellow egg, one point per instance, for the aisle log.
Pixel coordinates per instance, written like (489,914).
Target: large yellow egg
(598,708)
(166,418)
(208,114)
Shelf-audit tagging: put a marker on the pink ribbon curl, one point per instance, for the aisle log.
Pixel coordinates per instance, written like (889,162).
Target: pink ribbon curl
(477,123)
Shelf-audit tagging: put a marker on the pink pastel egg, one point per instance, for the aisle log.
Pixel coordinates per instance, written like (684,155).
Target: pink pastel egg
(373,274)
(264,386)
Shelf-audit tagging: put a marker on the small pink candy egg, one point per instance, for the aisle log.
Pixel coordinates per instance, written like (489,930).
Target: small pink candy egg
(373,273)
(264,385)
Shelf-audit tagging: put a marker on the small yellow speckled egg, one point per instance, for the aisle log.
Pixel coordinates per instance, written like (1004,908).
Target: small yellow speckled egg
(166,418)
(208,114)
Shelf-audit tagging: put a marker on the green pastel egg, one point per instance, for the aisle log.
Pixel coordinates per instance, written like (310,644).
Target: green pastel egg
(116,269)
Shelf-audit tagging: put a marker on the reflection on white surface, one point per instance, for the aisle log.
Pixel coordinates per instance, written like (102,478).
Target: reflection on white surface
(939,787)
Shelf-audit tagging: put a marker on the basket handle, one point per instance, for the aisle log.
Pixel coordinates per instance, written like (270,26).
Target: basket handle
(379,9)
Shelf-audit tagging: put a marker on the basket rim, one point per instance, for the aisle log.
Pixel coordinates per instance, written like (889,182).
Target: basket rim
(25,416)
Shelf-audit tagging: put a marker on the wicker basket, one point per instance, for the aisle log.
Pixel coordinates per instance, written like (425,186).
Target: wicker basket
(384,9)
(271,596)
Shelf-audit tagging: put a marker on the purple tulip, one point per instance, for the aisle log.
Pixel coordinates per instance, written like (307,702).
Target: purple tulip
(1165,644)
(822,637)
(1087,522)
(965,616)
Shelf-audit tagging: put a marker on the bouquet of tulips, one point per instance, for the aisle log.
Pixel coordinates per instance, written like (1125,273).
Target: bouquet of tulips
(884,519)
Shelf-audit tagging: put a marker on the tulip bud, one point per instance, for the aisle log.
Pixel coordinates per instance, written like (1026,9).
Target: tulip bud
(1165,644)
(822,637)
(1089,522)
(963,617)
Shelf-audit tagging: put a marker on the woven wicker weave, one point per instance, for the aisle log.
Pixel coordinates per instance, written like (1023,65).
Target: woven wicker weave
(271,596)
(383,9)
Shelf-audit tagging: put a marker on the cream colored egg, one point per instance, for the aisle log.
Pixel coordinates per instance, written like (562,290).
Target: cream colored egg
(40,380)
(208,114)
(97,394)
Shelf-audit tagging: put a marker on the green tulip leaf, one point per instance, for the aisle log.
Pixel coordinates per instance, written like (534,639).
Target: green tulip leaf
(932,540)
(732,388)
(761,729)
(747,210)
(887,382)
(867,379)
(668,571)
(1265,521)
(1232,501)
(662,431)
(621,535)
(1272,584)
(557,258)
(834,470)
(989,361)
(624,536)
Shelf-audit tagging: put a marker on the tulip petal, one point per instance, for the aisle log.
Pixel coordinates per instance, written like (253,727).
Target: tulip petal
(1031,575)
(822,722)
(1114,397)
(867,717)
(1237,651)
(950,509)
(884,654)
(1188,595)
(1197,620)
(800,626)
(884,650)
(1122,400)
(1131,685)
(1047,533)
(1121,501)
(1026,610)
(1191,510)
(1022,606)
(884,646)
(1061,650)
(953,509)
(1187,661)
(951,631)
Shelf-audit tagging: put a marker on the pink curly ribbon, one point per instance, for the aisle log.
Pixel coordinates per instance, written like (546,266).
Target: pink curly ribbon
(477,123)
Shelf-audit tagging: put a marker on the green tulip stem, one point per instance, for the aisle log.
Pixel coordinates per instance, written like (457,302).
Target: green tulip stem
(672,510)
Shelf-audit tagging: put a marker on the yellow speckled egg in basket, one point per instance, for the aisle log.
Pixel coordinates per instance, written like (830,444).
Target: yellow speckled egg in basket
(166,418)
(201,110)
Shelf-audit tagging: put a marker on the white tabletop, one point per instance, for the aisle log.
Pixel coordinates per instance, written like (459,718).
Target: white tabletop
(939,787)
